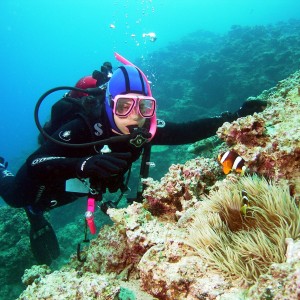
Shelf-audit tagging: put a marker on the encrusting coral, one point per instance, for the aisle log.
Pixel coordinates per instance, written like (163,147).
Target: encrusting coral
(245,245)
(270,141)
(180,188)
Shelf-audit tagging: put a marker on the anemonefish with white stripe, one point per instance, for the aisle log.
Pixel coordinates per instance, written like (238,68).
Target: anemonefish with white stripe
(245,203)
(231,161)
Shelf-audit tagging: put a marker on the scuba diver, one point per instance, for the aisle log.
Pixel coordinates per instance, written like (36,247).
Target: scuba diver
(97,148)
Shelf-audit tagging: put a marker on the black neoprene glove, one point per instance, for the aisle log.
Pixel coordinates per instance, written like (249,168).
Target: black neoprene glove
(249,107)
(103,165)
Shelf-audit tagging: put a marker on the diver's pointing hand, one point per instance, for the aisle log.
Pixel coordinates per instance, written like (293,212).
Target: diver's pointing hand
(249,107)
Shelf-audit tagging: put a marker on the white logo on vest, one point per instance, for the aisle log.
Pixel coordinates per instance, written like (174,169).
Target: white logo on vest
(65,135)
(98,131)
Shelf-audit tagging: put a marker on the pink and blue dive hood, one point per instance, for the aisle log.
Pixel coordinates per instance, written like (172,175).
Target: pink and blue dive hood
(127,79)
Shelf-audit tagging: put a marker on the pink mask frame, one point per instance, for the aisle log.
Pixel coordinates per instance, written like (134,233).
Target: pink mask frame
(135,101)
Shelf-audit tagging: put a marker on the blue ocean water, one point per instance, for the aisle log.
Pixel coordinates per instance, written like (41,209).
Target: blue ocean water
(50,43)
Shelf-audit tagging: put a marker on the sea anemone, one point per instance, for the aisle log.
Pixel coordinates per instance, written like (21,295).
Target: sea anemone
(244,243)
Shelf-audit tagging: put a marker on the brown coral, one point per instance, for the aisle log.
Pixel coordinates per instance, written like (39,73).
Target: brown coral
(180,187)
(269,141)
(248,131)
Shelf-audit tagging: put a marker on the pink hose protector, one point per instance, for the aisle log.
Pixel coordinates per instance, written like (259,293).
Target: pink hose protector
(89,215)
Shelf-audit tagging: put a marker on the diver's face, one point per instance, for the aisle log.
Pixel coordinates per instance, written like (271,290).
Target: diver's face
(132,119)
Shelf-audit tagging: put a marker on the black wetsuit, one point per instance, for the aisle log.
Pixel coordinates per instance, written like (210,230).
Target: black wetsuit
(42,177)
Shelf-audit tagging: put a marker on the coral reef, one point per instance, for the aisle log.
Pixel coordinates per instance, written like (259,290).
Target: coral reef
(159,249)
(218,72)
(173,246)
(16,255)
(35,274)
(73,285)
(270,141)
(122,245)
(15,251)
(180,188)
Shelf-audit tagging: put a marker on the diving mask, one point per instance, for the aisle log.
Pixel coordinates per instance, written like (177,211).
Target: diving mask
(124,104)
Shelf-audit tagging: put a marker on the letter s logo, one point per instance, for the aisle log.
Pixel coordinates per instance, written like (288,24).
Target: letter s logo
(98,131)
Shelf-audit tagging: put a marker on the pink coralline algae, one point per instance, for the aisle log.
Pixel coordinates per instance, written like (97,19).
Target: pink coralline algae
(248,131)
(270,141)
(180,187)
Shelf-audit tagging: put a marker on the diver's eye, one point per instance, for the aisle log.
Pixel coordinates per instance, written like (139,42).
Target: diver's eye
(124,106)
(147,107)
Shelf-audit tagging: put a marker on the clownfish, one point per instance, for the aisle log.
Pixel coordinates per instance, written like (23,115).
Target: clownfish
(245,203)
(231,161)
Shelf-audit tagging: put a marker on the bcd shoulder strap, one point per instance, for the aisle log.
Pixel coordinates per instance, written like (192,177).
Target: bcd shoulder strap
(91,113)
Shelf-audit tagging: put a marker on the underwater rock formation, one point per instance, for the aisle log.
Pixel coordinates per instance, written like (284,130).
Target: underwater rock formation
(71,284)
(213,73)
(269,141)
(15,250)
(180,187)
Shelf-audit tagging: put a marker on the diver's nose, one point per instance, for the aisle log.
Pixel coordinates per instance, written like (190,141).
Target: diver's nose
(134,115)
